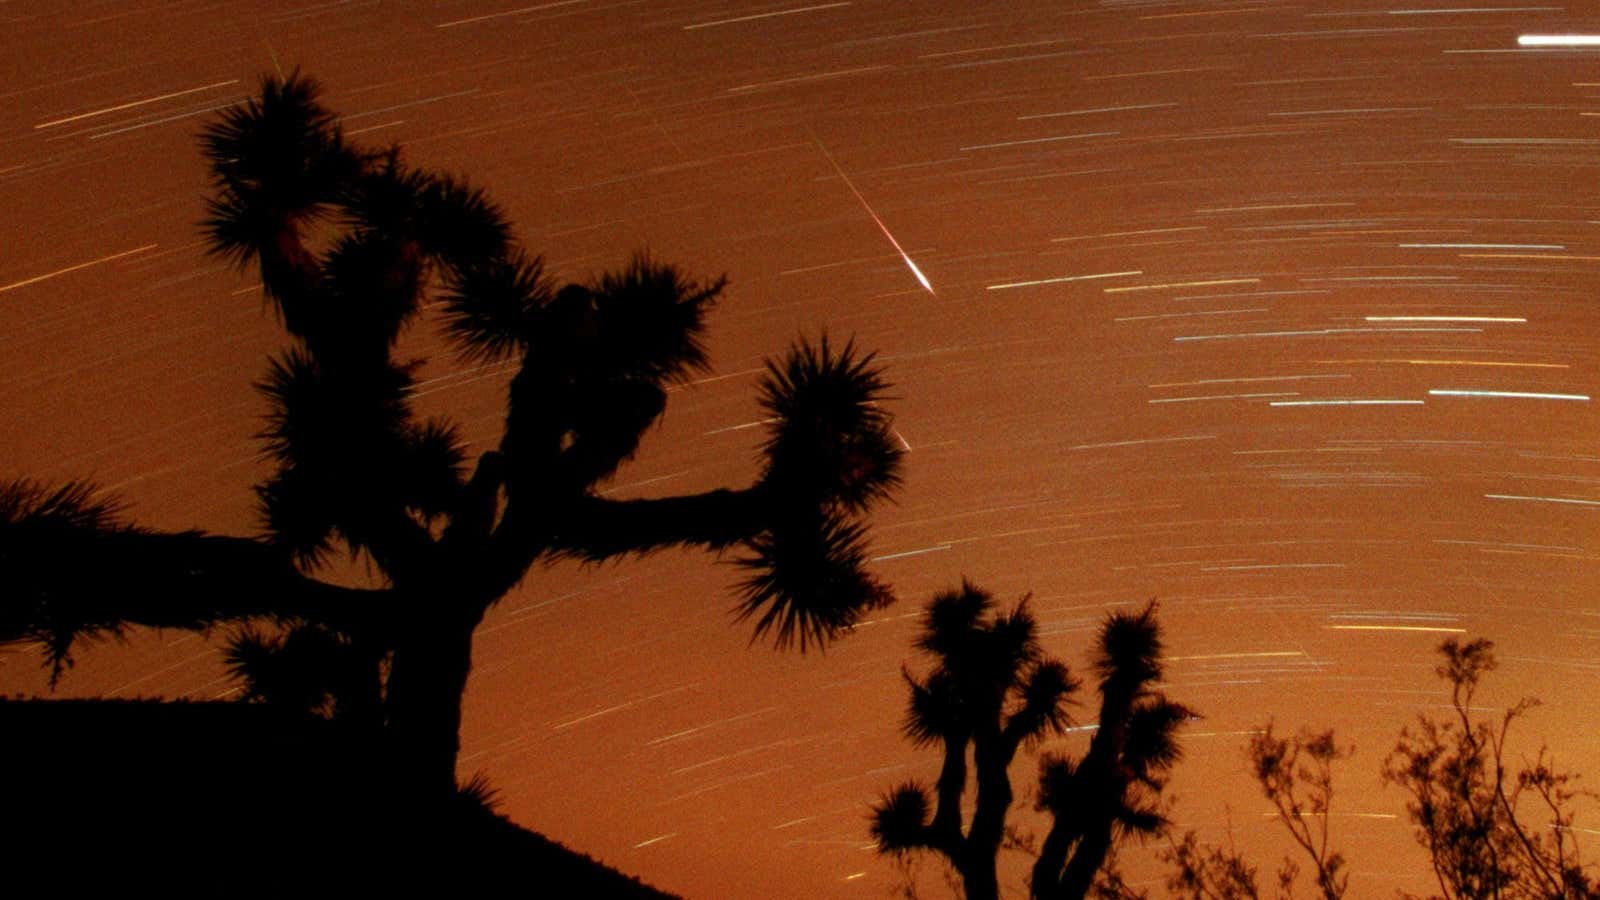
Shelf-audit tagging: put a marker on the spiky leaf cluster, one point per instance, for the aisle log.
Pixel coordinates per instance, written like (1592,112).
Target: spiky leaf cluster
(808,580)
(989,664)
(302,668)
(453,223)
(900,819)
(353,460)
(492,309)
(45,533)
(648,321)
(1112,791)
(829,436)
(990,692)
(277,161)
(829,453)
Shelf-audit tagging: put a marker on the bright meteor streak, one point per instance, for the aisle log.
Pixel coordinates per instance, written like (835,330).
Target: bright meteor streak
(923,279)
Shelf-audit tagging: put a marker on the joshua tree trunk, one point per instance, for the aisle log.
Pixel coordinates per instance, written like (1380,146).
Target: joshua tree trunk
(1091,855)
(427,678)
(978,878)
(989,819)
(1052,858)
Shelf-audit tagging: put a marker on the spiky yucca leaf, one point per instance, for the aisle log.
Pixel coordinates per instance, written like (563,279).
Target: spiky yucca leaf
(986,654)
(1058,777)
(239,226)
(328,418)
(1010,647)
(383,197)
(491,309)
(277,160)
(431,468)
(452,223)
(478,793)
(248,656)
(937,711)
(650,319)
(45,535)
(293,388)
(1151,746)
(458,225)
(304,667)
(1129,650)
(829,439)
(273,139)
(808,580)
(1045,693)
(951,619)
(350,456)
(71,507)
(900,819)
(1141,822)
(295,511)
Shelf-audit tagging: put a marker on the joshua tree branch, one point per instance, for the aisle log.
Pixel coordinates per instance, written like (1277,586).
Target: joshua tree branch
(188,580)
(599,528)
(945,829)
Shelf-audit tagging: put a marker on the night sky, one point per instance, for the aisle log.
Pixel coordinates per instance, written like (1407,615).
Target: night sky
(1283,315)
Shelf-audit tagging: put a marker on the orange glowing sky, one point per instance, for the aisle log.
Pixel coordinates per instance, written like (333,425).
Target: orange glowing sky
(1282,314)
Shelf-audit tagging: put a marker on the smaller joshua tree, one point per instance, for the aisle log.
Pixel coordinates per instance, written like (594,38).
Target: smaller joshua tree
(993,689)
(1112,791)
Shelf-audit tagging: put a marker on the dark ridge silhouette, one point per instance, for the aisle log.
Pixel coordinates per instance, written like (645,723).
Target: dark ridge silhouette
(351,245)
(195,795)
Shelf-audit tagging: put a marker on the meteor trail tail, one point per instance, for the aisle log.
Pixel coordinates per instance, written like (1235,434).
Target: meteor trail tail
(923,279)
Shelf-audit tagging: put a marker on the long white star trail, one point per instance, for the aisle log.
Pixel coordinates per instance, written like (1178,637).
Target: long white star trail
(923,279)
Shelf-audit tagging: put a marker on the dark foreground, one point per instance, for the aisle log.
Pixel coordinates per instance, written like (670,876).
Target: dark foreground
(233,798)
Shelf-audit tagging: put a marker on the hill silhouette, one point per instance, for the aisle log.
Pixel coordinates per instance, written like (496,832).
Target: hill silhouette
(217,796)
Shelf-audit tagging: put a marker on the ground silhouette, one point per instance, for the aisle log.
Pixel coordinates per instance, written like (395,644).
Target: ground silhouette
(192,797)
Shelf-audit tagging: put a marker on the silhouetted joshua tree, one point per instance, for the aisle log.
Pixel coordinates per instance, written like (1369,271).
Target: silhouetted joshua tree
(352,248)
(1112,791)
(993,689)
